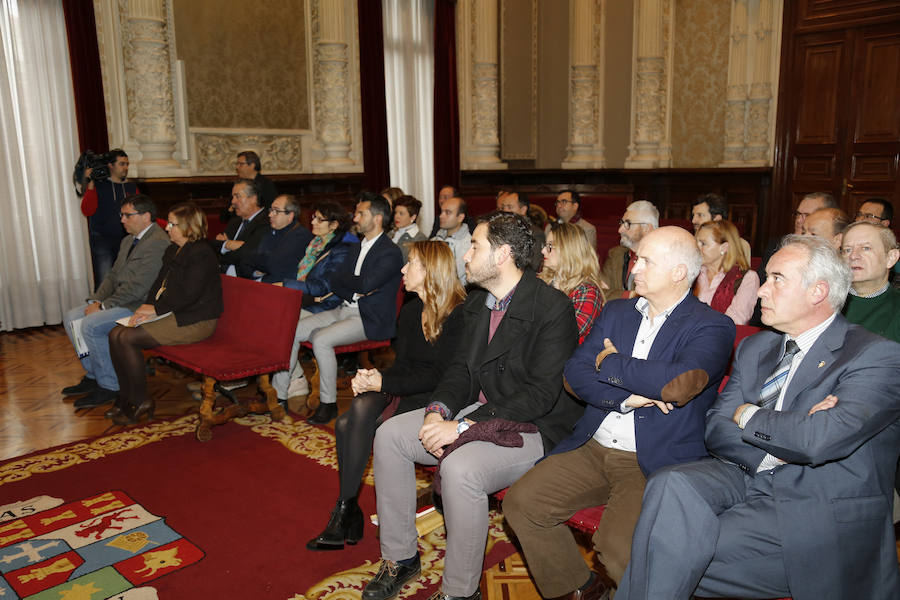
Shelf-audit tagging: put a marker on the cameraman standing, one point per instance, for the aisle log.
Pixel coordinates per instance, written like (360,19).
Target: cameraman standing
(101,204)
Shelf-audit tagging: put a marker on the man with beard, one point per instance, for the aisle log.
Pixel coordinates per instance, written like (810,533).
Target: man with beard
(640,218)
(506,379)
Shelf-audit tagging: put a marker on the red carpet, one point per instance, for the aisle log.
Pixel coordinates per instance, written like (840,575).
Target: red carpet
(153,507)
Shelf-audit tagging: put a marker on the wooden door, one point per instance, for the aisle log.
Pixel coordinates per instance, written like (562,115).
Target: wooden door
(838,124)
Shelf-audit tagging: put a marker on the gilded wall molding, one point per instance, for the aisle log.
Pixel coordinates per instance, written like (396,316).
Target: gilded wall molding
(283,151)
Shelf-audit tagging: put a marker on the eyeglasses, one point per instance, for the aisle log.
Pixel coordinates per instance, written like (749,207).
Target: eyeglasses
(549,246)
(564,201)
(320,219)
(126,215)
(862,215)
(241,163)
(627,224)
(279,211)
(170,225)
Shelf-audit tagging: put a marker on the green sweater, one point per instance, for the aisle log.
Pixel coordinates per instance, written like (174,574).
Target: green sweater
(880,314)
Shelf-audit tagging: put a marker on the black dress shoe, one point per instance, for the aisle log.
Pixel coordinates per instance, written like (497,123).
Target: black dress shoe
(129,414)
(98,397)
(443,596)
(86,385)
(390,579)
(594,589)
(345,525)
(325,413)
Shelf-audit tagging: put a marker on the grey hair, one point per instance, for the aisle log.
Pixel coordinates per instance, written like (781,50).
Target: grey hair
(887,236)
(823,264)
(650,212)
(291,204)
(684,251)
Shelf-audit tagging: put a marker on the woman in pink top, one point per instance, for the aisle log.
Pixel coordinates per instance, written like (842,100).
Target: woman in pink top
(726,281)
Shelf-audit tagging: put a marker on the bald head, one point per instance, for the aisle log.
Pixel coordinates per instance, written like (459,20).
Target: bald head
(826,223)
(668,262)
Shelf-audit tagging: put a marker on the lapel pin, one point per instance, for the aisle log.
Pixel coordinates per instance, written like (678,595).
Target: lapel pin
(821,363)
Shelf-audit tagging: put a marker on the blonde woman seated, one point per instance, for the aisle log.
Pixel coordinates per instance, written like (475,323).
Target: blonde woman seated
(726,281)
(429,329)
(571,266)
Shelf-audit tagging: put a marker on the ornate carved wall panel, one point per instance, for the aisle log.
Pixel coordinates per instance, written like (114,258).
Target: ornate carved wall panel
(244,68)
(699,84)
(283,82)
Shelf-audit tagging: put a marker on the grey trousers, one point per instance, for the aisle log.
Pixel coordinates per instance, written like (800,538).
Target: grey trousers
(324,330)
(468,475)
(709,530)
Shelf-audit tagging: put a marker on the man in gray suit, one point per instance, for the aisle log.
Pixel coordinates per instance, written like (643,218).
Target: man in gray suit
(807,433)
(123,290)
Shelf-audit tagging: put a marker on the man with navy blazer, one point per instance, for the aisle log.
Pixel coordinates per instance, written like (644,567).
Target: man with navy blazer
(806,435)
(648,371)
(367,283)
(279,253)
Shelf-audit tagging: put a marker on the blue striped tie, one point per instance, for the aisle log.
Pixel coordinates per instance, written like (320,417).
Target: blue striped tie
(772,387)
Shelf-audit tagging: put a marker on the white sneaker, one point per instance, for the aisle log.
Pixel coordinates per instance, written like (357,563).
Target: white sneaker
(299,387)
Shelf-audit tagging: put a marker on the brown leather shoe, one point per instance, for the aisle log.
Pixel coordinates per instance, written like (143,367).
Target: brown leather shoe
(596,590)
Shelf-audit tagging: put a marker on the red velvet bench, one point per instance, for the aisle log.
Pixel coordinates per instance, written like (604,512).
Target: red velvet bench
(254,336)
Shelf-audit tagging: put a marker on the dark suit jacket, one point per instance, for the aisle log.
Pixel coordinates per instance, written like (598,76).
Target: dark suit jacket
(193,286)
(277,255)
(833,499)
(252,234)
(133,273)
(689,355)
(378,281)
(267,190)
(520,370)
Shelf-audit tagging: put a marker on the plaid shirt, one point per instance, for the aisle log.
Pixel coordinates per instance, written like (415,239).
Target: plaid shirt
(588,302)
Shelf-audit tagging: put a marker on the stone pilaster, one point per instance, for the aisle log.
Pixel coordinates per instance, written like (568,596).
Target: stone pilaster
(761,113)
(651,93)
(147,42)
(333,90)
(752,82)
(478,76)
(736,94)
(585,149)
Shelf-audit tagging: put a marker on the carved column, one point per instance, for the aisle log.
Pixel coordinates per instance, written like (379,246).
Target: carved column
(478,76)
(651,94)
(332,85)
(148,41)
(736,94)
(585,150)
(761,97)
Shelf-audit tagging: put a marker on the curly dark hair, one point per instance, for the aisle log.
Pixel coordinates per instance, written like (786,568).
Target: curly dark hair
(513,230)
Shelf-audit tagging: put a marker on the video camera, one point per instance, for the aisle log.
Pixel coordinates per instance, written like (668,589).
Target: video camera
(99,163)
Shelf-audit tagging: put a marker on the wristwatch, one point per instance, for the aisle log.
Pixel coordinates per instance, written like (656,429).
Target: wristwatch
(462,426)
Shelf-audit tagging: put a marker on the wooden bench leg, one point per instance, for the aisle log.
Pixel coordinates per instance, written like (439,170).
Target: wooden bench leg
(272,406)
(204,429)
(312,400)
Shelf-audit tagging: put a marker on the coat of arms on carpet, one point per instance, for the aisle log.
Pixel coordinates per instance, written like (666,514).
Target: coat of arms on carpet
(103,546)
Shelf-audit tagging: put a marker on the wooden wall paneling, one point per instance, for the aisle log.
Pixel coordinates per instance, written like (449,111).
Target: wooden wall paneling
(838,126)
(874,147)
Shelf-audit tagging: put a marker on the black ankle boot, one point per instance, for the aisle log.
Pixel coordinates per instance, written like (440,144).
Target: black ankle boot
(324,414)
(345,525)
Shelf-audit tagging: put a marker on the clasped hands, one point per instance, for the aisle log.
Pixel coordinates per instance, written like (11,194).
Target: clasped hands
(228,244)
(437,433)
(366,380)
